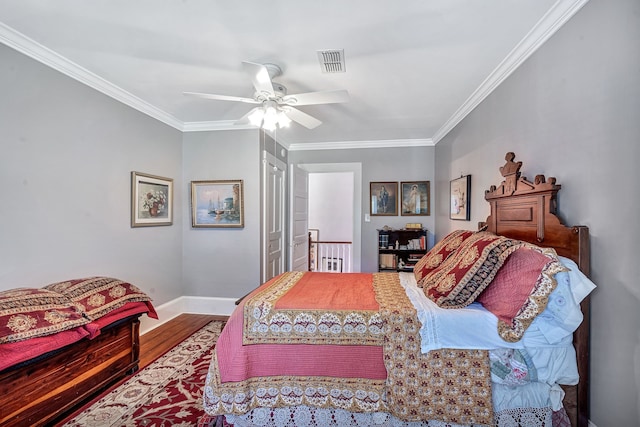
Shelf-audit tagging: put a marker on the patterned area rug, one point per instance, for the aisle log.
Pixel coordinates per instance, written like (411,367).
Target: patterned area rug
(168,392)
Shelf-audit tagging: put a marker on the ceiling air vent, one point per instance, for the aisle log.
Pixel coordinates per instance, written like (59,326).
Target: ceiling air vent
(332,61)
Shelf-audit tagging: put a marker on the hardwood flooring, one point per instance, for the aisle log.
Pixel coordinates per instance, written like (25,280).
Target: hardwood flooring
(158,341)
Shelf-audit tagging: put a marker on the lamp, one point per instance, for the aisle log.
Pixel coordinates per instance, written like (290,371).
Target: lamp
(268,116)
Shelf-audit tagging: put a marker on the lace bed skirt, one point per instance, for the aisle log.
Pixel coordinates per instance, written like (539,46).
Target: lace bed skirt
(303,416)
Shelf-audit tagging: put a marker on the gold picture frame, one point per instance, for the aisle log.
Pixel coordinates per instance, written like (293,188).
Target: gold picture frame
(217,204)
(383,197)
(415,198)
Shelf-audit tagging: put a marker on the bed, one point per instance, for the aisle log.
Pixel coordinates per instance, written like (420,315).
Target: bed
(491,328)
(62,344)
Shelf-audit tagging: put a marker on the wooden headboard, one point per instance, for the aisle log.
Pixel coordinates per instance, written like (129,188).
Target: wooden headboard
(526,210)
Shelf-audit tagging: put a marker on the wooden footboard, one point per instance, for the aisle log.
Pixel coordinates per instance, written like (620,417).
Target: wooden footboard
(46,389)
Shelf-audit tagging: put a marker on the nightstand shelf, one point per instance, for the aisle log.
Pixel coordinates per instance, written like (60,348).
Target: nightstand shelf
(399,250)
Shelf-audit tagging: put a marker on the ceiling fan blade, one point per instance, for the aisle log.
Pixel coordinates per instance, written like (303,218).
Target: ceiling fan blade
(222,97)
(303,118)
(260,77)
(310,98)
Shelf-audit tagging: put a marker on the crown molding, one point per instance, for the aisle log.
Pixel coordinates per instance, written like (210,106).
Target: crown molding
(345,145)
(214,125)
(555,18)
(305,146)
(40,53)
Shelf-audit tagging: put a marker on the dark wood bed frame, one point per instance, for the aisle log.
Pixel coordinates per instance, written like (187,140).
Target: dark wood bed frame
(526,210)
(43,390)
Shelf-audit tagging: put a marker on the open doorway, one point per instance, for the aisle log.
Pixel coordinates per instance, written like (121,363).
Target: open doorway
(335,204)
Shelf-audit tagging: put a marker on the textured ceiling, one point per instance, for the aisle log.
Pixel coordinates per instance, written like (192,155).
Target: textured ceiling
(414,69)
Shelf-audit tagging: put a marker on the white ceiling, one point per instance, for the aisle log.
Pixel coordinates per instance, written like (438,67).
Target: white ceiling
(414,68)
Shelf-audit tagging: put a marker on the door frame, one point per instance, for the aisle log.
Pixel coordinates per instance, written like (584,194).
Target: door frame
(356,168)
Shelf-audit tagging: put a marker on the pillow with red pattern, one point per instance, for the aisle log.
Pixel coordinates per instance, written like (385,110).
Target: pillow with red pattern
(97,296)
(28,313)
(459,280)
(441,251)
(521,288)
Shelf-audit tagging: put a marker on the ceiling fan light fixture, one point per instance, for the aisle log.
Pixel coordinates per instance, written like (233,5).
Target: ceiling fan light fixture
(255,118)
(270,119)
(283,120)
(275,108)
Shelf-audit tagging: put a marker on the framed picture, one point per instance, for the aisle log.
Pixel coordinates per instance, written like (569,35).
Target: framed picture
(384,198)
(151,200)
(460,198)
(415,198)
(217,204)
(332,264)
(313,249)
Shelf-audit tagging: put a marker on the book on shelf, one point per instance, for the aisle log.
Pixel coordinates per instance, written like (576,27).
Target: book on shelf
(388,261)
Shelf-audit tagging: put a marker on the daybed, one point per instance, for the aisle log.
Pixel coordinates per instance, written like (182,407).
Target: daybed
(63,343)
(483,332)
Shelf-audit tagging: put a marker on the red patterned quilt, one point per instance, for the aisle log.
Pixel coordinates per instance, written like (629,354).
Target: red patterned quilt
(347,341)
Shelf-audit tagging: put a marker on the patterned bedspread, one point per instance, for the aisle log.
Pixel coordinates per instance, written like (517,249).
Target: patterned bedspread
(285,346)
(300,308)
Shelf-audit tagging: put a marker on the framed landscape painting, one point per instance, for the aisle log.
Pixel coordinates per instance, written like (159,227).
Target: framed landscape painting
(217,204)
(151,200)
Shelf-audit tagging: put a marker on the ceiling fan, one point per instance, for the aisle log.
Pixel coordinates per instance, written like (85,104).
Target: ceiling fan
(275,106)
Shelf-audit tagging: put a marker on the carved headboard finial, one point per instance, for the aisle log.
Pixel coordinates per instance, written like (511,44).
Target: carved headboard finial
(511,172)
(510,167)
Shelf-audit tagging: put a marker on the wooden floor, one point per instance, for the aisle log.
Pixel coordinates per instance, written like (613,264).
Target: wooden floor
(158,341)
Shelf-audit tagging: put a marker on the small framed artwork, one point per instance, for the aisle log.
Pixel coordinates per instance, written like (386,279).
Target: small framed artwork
(460,191)
(313,249)
(151,200)
(384,198)
(332,264)
(415,196)
(217,204)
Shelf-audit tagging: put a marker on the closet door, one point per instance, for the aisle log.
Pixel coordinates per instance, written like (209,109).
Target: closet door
(274,191)
(299,223)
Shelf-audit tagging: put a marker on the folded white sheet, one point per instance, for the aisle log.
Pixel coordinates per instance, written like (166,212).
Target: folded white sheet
(474,327)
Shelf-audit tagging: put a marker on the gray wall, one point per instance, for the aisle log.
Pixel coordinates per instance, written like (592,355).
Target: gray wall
(222,262)
(573,111)
(380,164)
(66,154)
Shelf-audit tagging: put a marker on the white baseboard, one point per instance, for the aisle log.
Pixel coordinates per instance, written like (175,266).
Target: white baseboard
(185,304)
(592,424)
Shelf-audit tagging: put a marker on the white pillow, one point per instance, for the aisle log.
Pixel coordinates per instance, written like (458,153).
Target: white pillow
(563,315)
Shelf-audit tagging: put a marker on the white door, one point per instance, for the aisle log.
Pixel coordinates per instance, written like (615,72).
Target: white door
(299,214)
(273,178)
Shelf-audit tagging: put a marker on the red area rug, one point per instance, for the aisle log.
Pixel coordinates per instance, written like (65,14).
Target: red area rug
(168,392)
